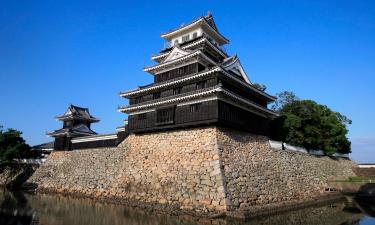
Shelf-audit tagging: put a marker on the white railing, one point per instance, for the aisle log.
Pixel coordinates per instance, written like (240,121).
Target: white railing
(277,145)
(30,161)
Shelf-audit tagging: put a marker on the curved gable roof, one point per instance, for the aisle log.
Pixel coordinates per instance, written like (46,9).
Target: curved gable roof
(233,64)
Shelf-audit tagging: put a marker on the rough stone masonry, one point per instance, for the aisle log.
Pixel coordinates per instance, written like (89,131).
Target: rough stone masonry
(200,170)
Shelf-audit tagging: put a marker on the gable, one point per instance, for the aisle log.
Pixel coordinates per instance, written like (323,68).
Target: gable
(175,53)
(236,67)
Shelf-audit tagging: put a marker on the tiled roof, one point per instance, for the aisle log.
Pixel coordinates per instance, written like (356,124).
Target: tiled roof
(76,112)
(79,130)
(44,146)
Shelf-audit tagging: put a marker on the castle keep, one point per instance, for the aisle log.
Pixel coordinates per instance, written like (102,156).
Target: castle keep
(196,141)
(197,83)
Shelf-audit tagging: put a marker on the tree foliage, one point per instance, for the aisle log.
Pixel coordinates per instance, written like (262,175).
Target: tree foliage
(283,98)
(12,146)
(313,126)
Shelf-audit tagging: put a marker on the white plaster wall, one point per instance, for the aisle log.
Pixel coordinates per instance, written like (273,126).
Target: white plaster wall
(179,37)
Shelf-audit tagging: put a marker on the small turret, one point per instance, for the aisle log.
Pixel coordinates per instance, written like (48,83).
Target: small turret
(77,123)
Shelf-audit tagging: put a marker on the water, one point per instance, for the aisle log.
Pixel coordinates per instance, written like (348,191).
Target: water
(20,208)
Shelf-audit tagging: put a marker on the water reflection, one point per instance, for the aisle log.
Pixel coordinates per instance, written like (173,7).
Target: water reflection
(19,208)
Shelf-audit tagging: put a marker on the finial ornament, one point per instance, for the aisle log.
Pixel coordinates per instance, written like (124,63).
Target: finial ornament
(209,13)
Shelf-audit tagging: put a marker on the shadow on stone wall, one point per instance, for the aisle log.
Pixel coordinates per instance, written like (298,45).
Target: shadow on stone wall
(13,176)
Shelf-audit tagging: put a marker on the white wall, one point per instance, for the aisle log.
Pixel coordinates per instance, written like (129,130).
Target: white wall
(179,37)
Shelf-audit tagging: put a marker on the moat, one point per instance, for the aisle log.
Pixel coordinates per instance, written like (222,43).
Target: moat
(23,208)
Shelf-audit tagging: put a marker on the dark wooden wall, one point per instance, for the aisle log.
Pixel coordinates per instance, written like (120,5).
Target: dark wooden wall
(241,91)
(187,114)
(196,112)
(178,72)
(203,113)
(185,88)
(95,144)
(233,116)
(62,143)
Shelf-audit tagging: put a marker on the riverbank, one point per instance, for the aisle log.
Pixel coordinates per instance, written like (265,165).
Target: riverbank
(203,171)
(179,210)
(57,209)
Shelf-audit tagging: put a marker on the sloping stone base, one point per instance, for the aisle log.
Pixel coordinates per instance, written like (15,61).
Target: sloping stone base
(203,170)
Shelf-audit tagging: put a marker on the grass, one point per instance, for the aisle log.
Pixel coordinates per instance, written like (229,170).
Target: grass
(357,180)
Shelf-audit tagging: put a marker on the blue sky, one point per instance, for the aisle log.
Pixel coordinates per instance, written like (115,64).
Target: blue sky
(53,53)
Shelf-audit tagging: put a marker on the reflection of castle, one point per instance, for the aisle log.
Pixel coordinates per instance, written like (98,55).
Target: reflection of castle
(48,208)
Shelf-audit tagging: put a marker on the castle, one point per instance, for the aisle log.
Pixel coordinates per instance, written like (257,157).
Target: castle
(196,83)
(196,141)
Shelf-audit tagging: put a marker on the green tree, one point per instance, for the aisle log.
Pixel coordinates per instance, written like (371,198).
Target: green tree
(283,98)
(313,126)
(12,146)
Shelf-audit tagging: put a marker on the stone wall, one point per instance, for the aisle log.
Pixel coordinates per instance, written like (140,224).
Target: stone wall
(364,172)
(176,167)
(85,172)
(13,176)
(259,177)
(201,170)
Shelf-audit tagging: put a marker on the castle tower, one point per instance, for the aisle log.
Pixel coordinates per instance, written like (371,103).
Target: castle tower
(197,83)
(77,123)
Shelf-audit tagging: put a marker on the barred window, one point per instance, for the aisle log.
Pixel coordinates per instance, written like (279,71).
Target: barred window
(195,35)
(142,116)
(156,95)
(138,100)
(195,107)
(177,90)
(165,116)
(185,38)
(200,85)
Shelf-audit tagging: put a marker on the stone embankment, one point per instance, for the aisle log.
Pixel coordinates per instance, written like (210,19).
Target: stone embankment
(203,170)
(13,176)
(365,172)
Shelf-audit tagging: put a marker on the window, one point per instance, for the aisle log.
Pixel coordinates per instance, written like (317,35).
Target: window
(156,95)
(138,100)
(165,116)
(195,107)
(185,38)
(142,116)
(200,85)
(180,71)
(195,35)
(175,42)
(177,90)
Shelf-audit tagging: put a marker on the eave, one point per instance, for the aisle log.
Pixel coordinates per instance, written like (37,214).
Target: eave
(94,138)
(73,117)
(160,57)
(69,133)
(201,21)
(169,82)
(194,95)
(159,67)
(269,98)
